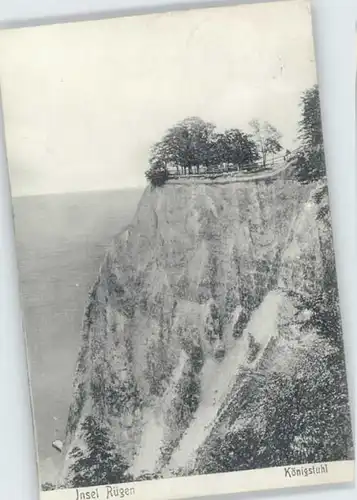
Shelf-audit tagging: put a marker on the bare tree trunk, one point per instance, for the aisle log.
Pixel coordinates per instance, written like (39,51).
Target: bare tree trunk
(264,158)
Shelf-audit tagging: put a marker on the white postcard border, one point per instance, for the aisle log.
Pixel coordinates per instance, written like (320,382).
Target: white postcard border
(216,484)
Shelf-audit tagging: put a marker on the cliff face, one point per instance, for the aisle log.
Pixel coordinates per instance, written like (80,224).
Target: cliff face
(196,315)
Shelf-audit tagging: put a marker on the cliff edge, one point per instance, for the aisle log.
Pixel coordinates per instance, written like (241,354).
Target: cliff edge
(200,334)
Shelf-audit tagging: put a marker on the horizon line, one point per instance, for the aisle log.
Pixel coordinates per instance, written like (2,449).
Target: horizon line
(59,193)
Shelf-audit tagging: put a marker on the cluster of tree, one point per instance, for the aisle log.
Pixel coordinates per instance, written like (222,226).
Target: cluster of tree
(310,165)
(193,145)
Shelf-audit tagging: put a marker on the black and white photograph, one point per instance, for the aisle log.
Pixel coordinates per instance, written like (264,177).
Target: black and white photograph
(175,253)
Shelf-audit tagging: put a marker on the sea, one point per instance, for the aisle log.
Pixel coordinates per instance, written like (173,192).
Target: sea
(61,241)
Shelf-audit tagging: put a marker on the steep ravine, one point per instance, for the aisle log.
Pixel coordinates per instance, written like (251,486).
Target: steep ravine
(191,313)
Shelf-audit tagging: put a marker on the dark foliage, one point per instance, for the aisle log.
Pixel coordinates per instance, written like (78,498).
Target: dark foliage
(188,398)
(233,147)
(310,165)
(213,325)
(310,126)
(294,420)
(157,176)
(193,145)
(48,486)
(122,395)
(197,357)
(322,201)
(322,304)
(241,323)
(254,348)
(185,145)
(147,476)
(99,463)
(310,161)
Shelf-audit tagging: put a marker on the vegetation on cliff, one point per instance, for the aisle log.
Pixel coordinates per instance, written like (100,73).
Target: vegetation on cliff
(301,416)
(99,463)
(310,165)
(194,146)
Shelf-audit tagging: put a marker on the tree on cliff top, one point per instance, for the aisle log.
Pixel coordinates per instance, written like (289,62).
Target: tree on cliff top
(99,463)
(311,159)
(185,145)
(267,139)
(193,143)
(157,175)
(233,146)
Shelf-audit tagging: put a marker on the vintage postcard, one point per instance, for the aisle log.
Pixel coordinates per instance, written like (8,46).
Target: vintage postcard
(175,253)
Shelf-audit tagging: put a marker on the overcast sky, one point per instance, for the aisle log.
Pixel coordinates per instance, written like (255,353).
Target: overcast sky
(83,102)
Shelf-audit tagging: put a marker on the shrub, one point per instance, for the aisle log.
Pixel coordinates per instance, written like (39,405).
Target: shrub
(99,463)
(157,176)
(48,487)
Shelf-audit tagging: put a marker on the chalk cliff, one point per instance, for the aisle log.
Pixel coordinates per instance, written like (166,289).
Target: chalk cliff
(207,325)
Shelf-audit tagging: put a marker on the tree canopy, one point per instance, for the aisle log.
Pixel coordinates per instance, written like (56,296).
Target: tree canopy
(194,144)
(233,146)
(267,139)
(184,145)
(311,159)
(310,126)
